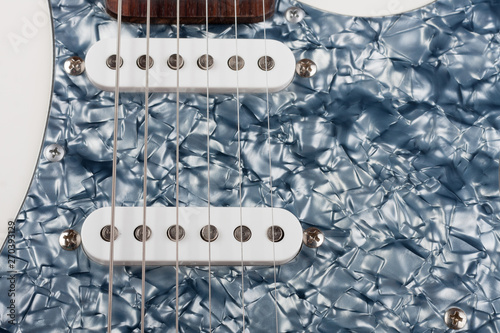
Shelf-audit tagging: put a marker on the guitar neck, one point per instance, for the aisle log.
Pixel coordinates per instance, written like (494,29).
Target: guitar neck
(193,11)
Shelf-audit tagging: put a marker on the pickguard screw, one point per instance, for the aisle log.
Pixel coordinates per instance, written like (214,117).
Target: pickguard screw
(266,63)
(74,66)
(313,237)
(202,62)
(232,63)
(455,318)
(70,240)
(306,68)
(54,153)
(294,14)
(172,62)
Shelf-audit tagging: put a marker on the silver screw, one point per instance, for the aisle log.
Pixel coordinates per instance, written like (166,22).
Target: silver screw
(306,68)
(54,153)
(455,318)
(138,233)
(172,233)
(141,62)
(111,62)
(242,233)
(232,63)
(294,14)
(172,61)
(106,233)
(275,234)
(70,240)
(266,64)
(74,66)
(202,62)
(214,233)
(313,237)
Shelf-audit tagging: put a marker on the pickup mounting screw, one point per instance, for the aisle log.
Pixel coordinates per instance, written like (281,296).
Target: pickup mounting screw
(232,63)
(214,233)
(54,153)
(202,62)
(172,233)
(455,318)
(172,61)
(106,233)
(294,14)
(111,62)
(70,240)
(141,62)
(74,66)
(306,68)
(270,63)
(313,237)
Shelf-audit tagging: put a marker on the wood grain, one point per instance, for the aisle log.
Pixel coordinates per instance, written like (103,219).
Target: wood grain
(192,11)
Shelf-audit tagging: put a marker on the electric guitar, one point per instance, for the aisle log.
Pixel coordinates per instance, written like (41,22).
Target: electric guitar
(268,166)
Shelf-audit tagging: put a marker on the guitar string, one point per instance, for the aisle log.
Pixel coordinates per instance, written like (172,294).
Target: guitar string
(177,178)
(268,112)
(115,158)
(240,171)
(145,181)
(208,179)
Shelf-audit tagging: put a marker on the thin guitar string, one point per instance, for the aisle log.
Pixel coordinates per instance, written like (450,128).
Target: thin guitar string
(145,181)
(115,158)
(240,171)
(177,179)
(268,112)
(208,181)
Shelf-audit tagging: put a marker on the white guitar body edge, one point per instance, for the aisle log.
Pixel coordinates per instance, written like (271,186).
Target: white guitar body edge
(25,91)
(26,86)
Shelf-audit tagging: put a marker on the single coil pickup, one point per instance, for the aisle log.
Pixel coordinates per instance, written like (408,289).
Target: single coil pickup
(247,66)
(255,243)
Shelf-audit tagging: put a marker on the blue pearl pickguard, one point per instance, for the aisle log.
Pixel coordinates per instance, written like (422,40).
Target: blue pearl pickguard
(391,149)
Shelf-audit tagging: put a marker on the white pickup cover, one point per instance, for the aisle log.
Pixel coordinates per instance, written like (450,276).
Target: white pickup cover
(222,79)
(193,250)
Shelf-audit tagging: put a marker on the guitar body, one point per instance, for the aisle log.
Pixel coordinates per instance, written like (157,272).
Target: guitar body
(391,149)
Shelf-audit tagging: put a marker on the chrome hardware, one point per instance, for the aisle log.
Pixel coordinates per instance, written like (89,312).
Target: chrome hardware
(106,233)
(232,63)
(70,240)
(172,62)
(270,63)
(275,234)
(138,233)
(455,318)
(111,62)
(74,66)
(306,68)
(141,62)
(214,233)
(54,153)
(294,14)
(202,62)
(242,233)
(313,237)
(172,233)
